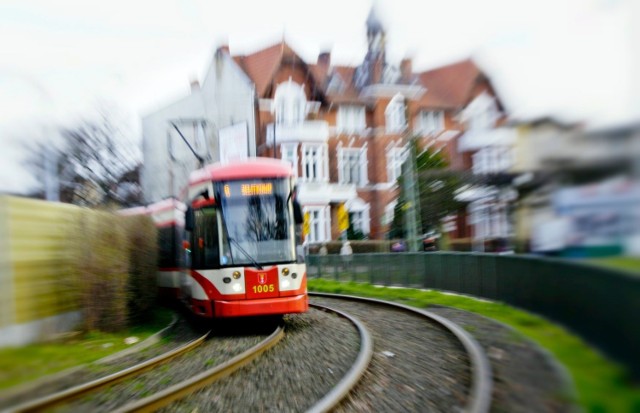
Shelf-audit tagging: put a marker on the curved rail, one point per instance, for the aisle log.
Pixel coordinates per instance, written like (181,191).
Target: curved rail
(148,342)
(28,388)
(182,389)
(481,376)
(54,399)
(340,391)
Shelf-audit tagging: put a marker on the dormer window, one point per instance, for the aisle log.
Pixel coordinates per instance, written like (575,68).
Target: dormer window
(395,115)
(336,84)
(290,103)
(481,113)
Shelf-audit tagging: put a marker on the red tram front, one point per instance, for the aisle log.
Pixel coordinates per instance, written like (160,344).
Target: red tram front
(241,241)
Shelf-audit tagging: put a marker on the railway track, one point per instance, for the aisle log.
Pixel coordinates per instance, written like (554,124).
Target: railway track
(479,394)
(260,387)
(286,368)
(357,370)
(182,389)
(339,393)
(52,400)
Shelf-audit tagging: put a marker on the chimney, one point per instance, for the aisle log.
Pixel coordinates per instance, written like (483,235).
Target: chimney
(377,70)
(222,49)
(195,85)
(324,59)
(406,69)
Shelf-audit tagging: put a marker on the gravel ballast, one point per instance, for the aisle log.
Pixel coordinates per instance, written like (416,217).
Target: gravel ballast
(181,333)
(315,354)
(417,364)
(526,378)
(220,347)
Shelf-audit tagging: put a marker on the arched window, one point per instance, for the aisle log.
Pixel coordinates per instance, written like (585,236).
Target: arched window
(395,115)
(290,103)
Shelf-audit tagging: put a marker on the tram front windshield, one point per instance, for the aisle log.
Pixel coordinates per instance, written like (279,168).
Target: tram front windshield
(257,222)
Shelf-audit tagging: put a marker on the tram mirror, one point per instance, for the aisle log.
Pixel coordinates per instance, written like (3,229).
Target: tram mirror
(189,218)
(297,213)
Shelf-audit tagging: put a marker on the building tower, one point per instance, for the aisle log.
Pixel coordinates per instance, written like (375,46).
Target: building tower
(372,68)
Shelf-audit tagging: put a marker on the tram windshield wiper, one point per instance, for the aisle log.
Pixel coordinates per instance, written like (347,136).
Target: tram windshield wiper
(246,254)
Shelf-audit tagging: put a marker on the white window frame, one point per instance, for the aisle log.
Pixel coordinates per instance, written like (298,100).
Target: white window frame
(345,158)
(336,84)
(482,113)
(489,219)
(430,122)
(289,153)
(357,207)
(351,119)
(319,159)
(319,223)
(389,212)
(396,156)
(395,115)
(290,103)
(493,159)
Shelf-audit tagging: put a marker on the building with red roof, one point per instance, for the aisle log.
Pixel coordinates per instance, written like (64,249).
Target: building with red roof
(345,130)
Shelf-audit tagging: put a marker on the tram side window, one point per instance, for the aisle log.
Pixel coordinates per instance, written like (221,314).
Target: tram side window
(204,239)
(167,247)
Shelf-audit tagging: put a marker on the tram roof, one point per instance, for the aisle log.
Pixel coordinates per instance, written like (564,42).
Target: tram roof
(245,169)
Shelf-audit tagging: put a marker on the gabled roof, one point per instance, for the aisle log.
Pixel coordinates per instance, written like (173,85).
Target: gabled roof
(447,86)
(349,94)
(451,85)
(262,65)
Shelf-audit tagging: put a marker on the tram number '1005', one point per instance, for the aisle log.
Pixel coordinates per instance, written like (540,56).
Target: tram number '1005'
(269,288)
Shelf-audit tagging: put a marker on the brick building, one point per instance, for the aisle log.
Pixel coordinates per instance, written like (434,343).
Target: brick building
(345,129)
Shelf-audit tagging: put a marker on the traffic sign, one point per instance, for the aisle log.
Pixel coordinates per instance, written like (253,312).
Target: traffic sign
(343,218)
(306,225)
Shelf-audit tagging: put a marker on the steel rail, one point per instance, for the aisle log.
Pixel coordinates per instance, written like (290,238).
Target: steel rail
(54,399)
(481,375)
(344,386)
(184,388)
(31,386)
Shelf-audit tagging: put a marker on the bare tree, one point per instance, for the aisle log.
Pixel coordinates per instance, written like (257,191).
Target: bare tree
(94,163)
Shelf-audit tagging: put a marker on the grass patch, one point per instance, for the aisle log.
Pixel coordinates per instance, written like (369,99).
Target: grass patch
(628,264)
(602,385)
(22,364)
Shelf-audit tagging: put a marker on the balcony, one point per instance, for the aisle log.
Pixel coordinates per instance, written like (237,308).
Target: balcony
(325,192)
(475,139)
(590,151)
(309,131)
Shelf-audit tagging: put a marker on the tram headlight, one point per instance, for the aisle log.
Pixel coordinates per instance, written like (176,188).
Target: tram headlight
(236,287)
(236,275)
(285,271)
(285,283)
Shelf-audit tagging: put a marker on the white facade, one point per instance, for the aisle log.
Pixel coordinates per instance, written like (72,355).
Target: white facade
(493,153)
(226,98)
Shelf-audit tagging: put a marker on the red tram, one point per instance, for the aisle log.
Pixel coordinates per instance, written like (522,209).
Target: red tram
(240,249)
(168,217)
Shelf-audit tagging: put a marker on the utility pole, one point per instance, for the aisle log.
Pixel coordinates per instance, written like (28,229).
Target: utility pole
(412,214)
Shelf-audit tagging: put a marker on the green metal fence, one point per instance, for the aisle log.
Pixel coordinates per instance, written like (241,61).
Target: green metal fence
(601,305)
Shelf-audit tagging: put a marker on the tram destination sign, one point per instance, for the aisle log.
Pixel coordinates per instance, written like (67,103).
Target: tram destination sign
(248,189)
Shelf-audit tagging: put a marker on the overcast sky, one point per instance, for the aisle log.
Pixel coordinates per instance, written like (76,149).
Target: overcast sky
(58,59)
